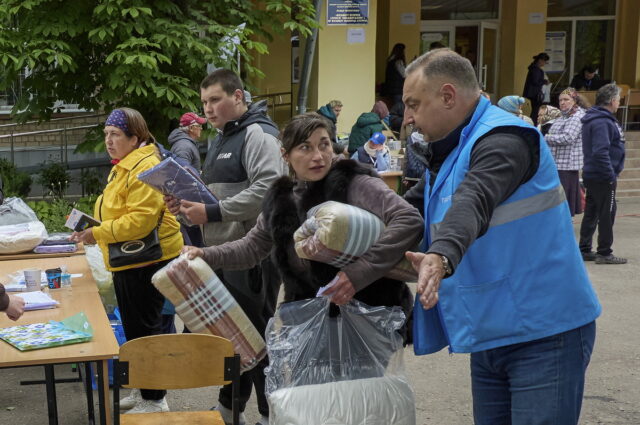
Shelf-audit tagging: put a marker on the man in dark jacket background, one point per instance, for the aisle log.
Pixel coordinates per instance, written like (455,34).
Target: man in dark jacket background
(184,139)
(603,147)
(241,164)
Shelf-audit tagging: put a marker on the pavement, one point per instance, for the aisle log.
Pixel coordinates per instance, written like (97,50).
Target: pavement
(441,381)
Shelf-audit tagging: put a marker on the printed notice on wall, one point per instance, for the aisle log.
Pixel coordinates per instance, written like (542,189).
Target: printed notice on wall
(347,12)
(555,47)
(355,35)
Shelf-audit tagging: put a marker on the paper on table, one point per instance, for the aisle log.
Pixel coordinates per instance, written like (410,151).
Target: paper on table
(71,330)
(37,300)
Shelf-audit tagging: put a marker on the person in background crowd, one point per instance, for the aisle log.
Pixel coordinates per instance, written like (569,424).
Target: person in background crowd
(604,152)
(513,105)
(184,139)
(547,114)
(367,124)
(534,82)
(374,153)
(316,178)
(242,162)
(331,111)
(565,140)
(414,168)
(501,275)
(394,74)
(586,79)
(396,117)
(128,210)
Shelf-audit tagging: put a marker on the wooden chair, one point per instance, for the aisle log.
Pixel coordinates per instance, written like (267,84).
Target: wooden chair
(633,102)
(589,96)
(176,361)
(624,102)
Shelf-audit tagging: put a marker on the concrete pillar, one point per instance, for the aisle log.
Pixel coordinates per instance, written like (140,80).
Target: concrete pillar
(521,38)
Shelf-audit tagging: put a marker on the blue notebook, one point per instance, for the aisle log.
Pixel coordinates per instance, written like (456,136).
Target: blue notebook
(171,178)
(71,330)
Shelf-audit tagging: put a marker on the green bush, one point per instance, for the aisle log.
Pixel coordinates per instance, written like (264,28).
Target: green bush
(16,183)
(52,214)
(86,204)
(91,182)
(54,178)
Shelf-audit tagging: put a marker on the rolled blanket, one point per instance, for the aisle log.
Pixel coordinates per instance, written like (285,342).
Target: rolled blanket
(206,306)
(338,234)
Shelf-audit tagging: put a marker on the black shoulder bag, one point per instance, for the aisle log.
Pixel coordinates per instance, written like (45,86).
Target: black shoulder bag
(138,250)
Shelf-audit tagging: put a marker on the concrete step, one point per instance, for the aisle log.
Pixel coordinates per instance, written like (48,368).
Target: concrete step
(632,144)
(631,154)
(628,193)
(632,135)
(633,162)
(624,184)
(629,173)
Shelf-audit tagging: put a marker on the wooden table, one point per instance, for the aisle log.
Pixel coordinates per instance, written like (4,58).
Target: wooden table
(34,255)
(82,296)
(393,179)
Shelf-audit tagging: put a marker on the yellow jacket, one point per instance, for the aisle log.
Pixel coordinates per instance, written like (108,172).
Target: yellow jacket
(129,209)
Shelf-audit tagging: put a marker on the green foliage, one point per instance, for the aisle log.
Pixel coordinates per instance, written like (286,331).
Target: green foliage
(16,183)
(54,178)
(91,182)
(86,204)
(146,54)
(52,214)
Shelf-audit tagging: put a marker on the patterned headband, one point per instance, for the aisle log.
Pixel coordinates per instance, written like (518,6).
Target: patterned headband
(571,92)
(118,118)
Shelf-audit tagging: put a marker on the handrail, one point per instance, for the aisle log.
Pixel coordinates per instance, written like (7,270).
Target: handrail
(52,130)
(53,119)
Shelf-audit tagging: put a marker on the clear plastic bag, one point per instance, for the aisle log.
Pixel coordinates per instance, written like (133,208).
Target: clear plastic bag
(347,359)
(20,230)
(102,276)
(15,211)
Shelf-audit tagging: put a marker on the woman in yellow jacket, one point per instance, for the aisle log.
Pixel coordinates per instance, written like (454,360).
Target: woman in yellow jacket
(130,210)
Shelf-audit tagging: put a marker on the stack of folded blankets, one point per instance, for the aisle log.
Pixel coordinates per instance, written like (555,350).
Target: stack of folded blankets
(206,306)
(56,243)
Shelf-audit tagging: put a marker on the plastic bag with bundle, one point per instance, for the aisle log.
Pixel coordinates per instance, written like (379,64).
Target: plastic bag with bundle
(347,359)
(20,229)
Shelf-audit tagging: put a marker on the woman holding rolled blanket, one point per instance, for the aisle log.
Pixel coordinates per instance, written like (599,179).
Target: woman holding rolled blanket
(315,179)
(130,210)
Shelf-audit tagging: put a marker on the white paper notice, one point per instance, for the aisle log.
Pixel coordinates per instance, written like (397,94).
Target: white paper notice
(355,35)
(408,19)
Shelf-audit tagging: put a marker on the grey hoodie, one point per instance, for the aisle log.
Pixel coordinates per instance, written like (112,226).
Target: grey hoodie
(185,147)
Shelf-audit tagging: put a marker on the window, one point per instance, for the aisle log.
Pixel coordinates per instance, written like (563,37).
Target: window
(562,8)
(459,9)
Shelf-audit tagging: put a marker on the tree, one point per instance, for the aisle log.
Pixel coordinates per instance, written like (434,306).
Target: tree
(146,54)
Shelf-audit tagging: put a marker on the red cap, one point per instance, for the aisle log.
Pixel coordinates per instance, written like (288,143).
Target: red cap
(191,118)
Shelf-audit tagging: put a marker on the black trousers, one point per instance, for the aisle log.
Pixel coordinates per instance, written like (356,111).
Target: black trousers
(600,212)
(535,107)
(140,305)
(256,290)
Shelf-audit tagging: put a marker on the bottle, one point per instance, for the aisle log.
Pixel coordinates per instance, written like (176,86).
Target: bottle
(65,278)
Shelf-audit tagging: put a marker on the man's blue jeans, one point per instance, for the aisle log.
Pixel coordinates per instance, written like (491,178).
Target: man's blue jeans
(533,383)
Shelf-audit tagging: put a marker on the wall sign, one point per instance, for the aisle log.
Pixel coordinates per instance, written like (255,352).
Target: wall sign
(347,12)
(555,47)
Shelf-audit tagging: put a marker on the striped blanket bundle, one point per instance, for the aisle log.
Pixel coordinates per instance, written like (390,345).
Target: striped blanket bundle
(338,234)
(206,306)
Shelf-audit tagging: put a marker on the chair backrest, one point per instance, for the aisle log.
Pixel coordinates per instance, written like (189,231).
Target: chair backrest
(624,94)
(176,361)
(589,96)
(634,98)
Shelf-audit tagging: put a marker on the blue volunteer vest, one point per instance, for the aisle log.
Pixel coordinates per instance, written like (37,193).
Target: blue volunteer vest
(524,279)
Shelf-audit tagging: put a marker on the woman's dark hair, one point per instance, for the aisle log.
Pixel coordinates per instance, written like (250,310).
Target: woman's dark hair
(298,130)
(542,56)
(588,68)
(397,53)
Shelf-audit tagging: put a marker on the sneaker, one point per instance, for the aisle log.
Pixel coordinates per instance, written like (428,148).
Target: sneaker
(131,400)
(589,256)
(264,420)
(227,415)
(150,406)
(610,259)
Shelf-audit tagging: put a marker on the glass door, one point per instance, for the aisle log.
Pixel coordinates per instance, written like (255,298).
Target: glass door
(436,37)
(487,63)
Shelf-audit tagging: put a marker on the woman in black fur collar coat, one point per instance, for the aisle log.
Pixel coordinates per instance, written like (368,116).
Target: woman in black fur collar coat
(316,178)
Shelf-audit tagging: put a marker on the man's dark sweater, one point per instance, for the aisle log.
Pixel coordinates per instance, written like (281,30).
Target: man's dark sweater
(500,162)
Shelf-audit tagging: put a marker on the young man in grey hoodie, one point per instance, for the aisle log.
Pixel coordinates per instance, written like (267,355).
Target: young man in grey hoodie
(241,164)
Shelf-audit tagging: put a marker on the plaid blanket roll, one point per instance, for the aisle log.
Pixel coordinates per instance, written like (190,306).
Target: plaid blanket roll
(338,234)
(206,306)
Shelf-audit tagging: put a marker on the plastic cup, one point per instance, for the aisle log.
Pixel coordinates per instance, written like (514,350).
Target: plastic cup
(32,279)
(53,278)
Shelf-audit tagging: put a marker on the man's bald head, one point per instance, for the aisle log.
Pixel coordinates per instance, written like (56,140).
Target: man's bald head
(441,66)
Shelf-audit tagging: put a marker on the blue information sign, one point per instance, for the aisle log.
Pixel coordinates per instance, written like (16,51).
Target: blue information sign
(347,12)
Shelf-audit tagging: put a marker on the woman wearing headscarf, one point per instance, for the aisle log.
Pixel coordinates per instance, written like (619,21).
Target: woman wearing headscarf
(130,211)
(565,140)
(513,105)
(535,81)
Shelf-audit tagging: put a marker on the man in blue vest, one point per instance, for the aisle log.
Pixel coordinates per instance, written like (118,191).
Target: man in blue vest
(242,162)
(501,276)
